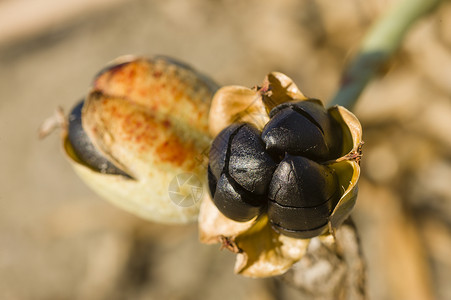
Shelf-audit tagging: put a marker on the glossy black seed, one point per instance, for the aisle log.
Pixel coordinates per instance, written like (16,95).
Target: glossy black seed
(293,133)
(234,202)
(249,165)
(324,144)
(218,150)
(299,218)
(301,182)
(83,147)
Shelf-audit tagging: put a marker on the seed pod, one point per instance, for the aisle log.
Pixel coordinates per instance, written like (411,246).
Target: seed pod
(310,193)
(149,119)
(303,194)
(302,128)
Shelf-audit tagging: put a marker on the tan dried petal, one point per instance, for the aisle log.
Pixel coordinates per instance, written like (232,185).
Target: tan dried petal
(214,227)
(351,127)
(264,252)
(281,89)
(232,104)
(261,251)
(347,167)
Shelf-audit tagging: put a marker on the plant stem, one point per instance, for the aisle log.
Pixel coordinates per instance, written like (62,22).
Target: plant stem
(378,46)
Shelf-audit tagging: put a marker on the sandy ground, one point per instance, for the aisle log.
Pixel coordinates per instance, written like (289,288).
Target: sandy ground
(58,240)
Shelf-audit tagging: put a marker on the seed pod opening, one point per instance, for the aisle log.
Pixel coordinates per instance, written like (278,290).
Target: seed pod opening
(84,149)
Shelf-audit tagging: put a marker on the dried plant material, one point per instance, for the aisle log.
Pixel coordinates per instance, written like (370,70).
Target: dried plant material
(214,227)
(281,88)
(347,166)
(232,104)
(264,252)
(149,118)
(332,268)
(261,249)
(57,120)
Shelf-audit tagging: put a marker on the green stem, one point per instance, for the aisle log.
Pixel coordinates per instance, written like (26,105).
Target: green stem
(378,46)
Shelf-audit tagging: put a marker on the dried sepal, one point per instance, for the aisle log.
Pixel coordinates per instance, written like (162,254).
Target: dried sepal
(149,118)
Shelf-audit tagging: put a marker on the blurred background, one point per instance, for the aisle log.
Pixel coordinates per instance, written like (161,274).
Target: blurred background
(58,240)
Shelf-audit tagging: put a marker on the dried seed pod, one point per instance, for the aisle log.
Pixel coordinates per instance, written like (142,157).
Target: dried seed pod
(310,194)
(149,119)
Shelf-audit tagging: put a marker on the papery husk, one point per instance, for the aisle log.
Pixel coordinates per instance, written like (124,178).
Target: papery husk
(262,251)
(149,118)
(214,227)
(348,166)
(233,104)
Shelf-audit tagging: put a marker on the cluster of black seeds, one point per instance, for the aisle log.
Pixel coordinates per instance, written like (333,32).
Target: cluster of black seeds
(279,170)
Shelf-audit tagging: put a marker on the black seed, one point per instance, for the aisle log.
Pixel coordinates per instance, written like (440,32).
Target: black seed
(234,202)
(314,111)
(293,133)
(249,165)
(218,150)
(83,147)
(300,182)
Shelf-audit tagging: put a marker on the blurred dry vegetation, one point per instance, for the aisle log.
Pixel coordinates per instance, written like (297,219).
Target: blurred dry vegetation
(60,241)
